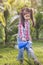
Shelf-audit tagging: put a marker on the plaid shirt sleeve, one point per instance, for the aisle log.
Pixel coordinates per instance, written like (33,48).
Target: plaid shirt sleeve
(20,30)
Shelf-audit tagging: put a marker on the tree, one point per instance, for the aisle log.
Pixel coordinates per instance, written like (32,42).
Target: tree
(33,3)
(38,23)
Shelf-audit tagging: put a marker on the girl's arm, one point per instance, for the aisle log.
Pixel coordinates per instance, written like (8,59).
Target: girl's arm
(30,38)
(20,32)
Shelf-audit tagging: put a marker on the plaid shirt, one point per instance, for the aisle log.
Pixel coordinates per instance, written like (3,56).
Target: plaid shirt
(24,32)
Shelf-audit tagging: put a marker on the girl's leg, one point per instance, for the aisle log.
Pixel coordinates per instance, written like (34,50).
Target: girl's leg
(21,51)
(20,55)
(31,54)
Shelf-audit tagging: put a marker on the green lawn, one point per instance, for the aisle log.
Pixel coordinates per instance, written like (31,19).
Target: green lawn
(8,54)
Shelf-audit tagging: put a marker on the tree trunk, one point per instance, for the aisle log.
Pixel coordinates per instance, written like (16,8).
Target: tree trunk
(6,35)
(37,34)
(6,13)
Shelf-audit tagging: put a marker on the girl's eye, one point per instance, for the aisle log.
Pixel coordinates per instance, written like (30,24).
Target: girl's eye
(27,15)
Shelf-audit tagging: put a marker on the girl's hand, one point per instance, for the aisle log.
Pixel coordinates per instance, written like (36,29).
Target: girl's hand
(23,39)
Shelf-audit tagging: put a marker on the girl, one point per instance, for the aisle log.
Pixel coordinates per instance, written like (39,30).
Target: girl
(24,35)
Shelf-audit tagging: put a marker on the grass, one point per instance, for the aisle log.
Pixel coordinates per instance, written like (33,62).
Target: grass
(8,55)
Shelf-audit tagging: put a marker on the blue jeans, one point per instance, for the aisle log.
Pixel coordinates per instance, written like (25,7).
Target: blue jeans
(28,48)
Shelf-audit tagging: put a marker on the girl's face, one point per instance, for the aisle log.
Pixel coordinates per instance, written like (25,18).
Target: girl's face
(26,15)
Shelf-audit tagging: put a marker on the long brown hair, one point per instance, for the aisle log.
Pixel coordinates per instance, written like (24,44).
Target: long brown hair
(22,14)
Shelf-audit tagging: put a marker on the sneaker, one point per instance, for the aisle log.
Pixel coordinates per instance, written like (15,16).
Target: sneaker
(21,62)
(36,62)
